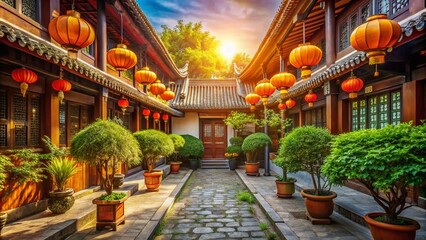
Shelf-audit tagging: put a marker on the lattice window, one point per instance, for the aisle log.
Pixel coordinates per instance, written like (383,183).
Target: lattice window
(398,5)
(127,121)
(373,113)
(3,135)
(355,116)
(219,130)
(207,130)
(35,121)
(74,112)
(3,104)
(62,125)
(383,6)
(20,135)
(30,9)
(9,2)
(396,107)
(343,36)
(384,110)
(362,114)
(19,107)
(365,13)
(84,117)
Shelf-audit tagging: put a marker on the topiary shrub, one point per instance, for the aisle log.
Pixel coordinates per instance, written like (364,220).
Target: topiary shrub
(105,144)
(193,147)
(285,164)
(253,143)
(238,120)
(154,144)
(178,142)
(236,141)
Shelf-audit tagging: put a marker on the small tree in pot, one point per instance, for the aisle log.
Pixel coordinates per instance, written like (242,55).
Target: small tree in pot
(252,144)
(178,142)
(193,149)
(238,120)
(387,161)
(232,153)
(153,144)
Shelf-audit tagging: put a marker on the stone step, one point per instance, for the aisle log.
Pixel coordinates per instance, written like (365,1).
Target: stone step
(214,164)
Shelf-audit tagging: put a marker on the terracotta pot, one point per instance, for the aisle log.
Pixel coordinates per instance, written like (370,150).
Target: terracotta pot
(3,218)
(285,189)
(252,169)
(319,207)
(175,167)
(153,180)
(386,231)
(60,202)
(109,213)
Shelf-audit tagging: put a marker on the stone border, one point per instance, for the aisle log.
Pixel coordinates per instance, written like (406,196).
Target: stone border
(278,223)
(149,229)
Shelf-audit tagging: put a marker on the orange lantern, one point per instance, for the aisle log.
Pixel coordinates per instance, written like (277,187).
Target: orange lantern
(145,76)
(282,106)
(146,113)
(305,56)
(310,98)
(25,77)
(352,85)
(71,32)
(121,58)
(62,86)
(264,89)
(156,116)
(283,81)
(165,117)
(123,103)
(375,37)
(157,88)
(167,95)
(290,103)
(252,99)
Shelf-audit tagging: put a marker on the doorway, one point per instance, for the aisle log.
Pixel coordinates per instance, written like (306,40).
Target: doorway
(214,138)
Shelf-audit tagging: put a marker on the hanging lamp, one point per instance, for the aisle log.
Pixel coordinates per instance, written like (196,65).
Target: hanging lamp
(165,117)
(352,85)
(156,116)
(123,103)
(264,89)
(252,99)
(157,88)
(282,106)
(290,103)
(24,77)
(283,81)
(61,85)
(167,95)
(310,98)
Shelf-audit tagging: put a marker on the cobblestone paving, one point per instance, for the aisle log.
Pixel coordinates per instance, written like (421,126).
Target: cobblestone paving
(208,209)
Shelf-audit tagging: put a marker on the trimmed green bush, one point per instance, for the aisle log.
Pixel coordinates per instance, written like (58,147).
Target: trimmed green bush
(154,144)
(284,163)
(105,144)
(386,160)
(178,142)
(236,141)
(193,147)
(253,143)
(238,120)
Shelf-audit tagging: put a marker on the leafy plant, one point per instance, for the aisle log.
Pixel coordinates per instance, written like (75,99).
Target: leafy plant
(236,141)
(154,144)
(238,120)
(263,226)
(113,196)
(193,147)
(285,164)
(253,143)
(27,166)
(306,148)
(387,161)
(105,144)
(245,196)
(61,169)
(5,164)
(232,152)
(54,151)
(178,142)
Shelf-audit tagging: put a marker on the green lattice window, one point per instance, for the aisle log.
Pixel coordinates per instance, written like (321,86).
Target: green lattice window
(315,117)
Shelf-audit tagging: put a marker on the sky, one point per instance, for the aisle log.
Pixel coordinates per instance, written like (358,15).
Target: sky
(240,25)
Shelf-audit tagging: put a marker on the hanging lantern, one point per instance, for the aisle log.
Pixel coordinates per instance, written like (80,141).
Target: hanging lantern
(282,106)
(252,99)
(375,37)
(121,58)
(310,98)
(290,103)
(264,89)
(305,56)
(71,32)
(123,103)
(62,86)
(352,85)
(145,76)
(25,77)
(283,81)
(165,117)
(157,88)
(156,116)
(146,113)
(167,95)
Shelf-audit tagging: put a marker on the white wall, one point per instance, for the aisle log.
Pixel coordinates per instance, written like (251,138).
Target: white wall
(189,124)
(230,133)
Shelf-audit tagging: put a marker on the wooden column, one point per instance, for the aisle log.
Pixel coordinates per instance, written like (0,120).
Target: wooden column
(331,105)
(330,33)
(52,114)
(137,119)
(412,102)
(101,107)
(101,36)
(343,116)
(282,61)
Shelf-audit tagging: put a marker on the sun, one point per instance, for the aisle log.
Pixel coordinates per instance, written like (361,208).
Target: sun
(228,50)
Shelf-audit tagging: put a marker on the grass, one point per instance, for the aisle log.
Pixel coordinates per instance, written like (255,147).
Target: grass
(159,229)
(263,226)
(245,196)
(271,236)
(251,209)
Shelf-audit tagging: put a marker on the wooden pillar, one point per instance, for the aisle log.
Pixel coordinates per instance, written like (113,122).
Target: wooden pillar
(101,107)
(343,116)
(49,9)
(282,61)
(101,36)
(331,105)
(52,114)
(412,102)
(137,119)
(330,33)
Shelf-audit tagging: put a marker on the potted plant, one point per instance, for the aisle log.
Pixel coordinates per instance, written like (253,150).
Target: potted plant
(310,145)
(193,149)
(252,144)
(61,199)
(386,161)
(232,153)
(105,144)
(238,120)
(178,143)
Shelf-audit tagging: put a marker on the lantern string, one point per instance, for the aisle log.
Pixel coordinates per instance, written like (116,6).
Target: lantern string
(60,73)
(121,25)
(72,6)
(303,31)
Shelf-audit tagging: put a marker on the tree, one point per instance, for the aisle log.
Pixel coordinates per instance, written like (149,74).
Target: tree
(188,42)
(241,60)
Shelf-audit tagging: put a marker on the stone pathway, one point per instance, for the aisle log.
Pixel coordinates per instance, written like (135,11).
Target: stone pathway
(208,209)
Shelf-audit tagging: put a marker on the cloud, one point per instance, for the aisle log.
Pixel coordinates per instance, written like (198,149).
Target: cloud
(244,22)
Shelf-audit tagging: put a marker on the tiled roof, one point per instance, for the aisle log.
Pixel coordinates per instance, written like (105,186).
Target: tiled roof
(210,94)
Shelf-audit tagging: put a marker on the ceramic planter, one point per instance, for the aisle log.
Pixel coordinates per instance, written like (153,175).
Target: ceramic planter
(193,163)
(153,180)
(319,207)
(386,231)
(252,169)
(232,164)
(3,218)
(285,189)
(109,213)
(60,202)
(118,180)
(175,167)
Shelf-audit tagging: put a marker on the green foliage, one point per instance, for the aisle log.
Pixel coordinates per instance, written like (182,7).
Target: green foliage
(178,141)
(271,236)
(154,144)
(384,160)
(113,196)
(274,119)
(193,147)
(238,120)
(286,164)
(245,196)
(241,60)
(61,169)
(5,164)
(263,226)
(236,141)
(253,143)
(232,152)
(27,166)
(306,148)
(54,151)
(104,144)
(188,42)
(284,178)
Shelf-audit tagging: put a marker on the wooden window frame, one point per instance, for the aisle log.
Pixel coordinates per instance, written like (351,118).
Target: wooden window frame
(68,105)
(18,8)
(312,114)
(391,15)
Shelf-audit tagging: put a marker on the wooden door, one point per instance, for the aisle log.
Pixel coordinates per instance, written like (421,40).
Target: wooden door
(213,135)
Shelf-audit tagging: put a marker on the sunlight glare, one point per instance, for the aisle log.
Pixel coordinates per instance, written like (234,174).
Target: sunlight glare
(228,50)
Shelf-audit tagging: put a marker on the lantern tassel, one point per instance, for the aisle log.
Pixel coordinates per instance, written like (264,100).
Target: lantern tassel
(24,87)
(72,54)
(252,108)
(283,93)
(310,104)
(124,110)
(61,96)
(376,73)
(306,72)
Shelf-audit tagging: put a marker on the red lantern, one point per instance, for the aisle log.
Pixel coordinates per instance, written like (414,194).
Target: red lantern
(352,85)
(165,117)
(123,103)
(145,76)
(156,116)
(146,113)
(157,88)
(121,58)
(72,32)
(290,103)
(264,89)
(168,95)
(305,56)
(25,77)
(252,99)
(283,81)
(310,98)
(282,106)
(62,86)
